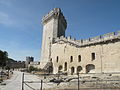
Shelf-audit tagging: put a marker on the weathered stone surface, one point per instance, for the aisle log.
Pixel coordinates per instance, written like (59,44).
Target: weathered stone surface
(99,54)
(54,25)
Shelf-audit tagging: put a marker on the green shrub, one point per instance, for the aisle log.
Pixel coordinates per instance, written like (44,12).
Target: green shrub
(31,68)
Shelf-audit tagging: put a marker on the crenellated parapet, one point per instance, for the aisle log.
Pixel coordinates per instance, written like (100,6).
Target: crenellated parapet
(56,13)
(91,41)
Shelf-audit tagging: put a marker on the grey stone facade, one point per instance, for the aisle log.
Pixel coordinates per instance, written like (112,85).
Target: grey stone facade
(28,61)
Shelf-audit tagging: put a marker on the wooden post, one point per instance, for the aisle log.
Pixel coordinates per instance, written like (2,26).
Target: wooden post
(8,73)
(23,81)
(41,84)
(78,82)
(1,76)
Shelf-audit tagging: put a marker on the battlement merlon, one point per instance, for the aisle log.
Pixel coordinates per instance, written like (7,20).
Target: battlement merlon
(55,13)
(90,41)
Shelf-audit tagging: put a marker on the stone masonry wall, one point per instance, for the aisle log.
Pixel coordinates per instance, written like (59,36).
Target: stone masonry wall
(107,54)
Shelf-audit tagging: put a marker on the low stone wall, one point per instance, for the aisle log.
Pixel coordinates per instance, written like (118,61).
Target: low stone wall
(5,75)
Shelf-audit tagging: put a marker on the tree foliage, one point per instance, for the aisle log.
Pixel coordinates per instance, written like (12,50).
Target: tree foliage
(31,68)
(3,58)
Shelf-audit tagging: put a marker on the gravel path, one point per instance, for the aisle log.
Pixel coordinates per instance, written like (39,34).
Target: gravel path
(15,82)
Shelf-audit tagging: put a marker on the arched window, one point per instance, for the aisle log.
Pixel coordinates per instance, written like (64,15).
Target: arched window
(79,68)
(79,58)
(51,59)
(93,56)
(71,58)
(65,67)
(72,70)
(57,59)
(60,68)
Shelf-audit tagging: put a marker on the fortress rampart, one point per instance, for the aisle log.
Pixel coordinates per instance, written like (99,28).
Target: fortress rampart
(100,54)
(91,41)
(56,13)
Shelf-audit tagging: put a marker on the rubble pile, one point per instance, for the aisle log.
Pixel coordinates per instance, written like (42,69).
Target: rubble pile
(85,82)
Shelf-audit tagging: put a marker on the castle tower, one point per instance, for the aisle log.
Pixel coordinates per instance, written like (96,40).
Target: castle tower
(54,25)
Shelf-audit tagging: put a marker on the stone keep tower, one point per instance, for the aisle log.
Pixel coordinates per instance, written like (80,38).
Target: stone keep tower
(54,26)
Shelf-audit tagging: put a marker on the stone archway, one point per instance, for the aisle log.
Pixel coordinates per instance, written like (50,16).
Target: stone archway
(79,69)
(72,70)
(90,68)
(60,68)
(49,67)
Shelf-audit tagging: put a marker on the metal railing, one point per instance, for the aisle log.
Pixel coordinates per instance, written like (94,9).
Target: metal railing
(77,82)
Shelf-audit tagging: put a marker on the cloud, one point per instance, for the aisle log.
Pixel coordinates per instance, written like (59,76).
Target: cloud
(14,21)
(5,19)
(6,2)
(13,15)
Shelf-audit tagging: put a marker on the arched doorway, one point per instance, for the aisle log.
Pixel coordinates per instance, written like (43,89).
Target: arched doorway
(60,68)
(49,67)
(72,70)
(90,68)
(65,67)
(79,68)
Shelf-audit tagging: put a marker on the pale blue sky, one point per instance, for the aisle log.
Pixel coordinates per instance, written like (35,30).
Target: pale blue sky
(21,28)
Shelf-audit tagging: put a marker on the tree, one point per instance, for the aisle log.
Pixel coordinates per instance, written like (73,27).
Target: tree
(3,58)
(7,68)
(31,68)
